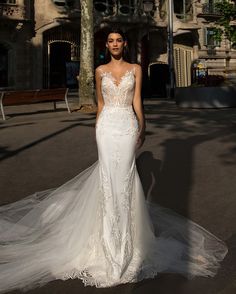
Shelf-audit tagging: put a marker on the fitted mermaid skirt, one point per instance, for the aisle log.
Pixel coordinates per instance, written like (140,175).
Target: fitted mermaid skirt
(98,226)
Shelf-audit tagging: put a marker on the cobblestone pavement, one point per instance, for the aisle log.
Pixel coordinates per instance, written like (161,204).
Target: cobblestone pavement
(188,163)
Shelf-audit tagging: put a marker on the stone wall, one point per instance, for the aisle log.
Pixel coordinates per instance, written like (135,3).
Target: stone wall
(22,31)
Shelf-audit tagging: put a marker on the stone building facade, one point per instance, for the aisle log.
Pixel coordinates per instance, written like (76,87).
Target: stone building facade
(40,41)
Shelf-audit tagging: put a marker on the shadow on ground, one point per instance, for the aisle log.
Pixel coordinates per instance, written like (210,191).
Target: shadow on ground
(167,170)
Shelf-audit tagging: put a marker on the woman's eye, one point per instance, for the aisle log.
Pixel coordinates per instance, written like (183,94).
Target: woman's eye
(117,41)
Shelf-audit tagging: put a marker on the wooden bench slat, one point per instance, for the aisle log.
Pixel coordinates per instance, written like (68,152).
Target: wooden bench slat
(33,96)
(18,98)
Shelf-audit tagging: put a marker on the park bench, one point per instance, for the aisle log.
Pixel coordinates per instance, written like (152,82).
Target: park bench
(21,97)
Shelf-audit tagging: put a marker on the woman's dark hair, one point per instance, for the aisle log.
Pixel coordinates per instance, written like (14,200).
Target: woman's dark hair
(125,55)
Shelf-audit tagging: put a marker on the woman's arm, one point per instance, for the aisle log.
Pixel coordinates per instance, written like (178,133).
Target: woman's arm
(138,106)
(100,100)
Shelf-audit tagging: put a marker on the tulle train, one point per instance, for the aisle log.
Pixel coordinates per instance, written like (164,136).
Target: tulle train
(58,234)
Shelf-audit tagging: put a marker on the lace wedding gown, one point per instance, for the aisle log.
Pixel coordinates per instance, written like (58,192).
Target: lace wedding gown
(98,227)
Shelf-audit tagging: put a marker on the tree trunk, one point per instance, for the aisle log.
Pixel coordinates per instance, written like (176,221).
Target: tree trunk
(86,74)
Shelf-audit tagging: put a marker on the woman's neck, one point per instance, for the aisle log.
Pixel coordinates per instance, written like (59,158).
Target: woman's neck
(116,61)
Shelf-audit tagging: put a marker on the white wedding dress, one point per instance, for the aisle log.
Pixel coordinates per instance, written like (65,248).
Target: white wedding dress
(98,226)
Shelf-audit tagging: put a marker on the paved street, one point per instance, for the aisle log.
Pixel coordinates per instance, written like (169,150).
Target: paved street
(188,163)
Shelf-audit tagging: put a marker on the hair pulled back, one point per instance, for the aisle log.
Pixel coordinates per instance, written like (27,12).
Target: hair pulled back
(125,53)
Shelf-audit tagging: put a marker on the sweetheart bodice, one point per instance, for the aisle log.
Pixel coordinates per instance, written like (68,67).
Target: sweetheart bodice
(118,94)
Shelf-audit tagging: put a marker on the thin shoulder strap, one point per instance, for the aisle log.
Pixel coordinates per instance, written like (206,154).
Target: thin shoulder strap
(134,70)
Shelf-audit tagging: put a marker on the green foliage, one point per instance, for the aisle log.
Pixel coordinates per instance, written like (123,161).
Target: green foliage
(227,14)
(218,32)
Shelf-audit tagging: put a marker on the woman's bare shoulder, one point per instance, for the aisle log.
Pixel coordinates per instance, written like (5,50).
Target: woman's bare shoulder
(136,66)
(101,68)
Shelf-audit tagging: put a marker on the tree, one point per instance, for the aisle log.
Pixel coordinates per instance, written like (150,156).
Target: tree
(227,11)
(86,74)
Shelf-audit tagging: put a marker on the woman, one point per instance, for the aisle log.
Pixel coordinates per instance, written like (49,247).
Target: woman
(97,227)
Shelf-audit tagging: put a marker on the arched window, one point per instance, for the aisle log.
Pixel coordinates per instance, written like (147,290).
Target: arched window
(3,66)
(183,8)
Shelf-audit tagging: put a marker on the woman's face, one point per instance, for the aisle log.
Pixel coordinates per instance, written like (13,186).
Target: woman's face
(115,44)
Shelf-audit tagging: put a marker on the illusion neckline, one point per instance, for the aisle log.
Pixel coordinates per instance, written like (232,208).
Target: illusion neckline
(118,82)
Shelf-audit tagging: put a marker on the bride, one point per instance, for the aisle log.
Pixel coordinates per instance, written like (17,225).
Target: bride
(98,227)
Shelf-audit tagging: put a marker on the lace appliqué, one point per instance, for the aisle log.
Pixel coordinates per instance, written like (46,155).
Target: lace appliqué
(118,94)
(116,157)
(113,243)
(117,83)
(127,191)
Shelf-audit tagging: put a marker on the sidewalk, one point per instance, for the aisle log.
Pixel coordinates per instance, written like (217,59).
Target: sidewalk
(188,163)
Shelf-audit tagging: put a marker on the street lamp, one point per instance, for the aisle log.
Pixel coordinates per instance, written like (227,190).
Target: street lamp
(171,85)
(148,7)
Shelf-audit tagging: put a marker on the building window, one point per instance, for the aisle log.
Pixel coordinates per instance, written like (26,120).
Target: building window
(104,7)
(7,1)
(122,7)
(63,3)
(210,8)
(126,7)
(183,9)
(210,41)
(183,57)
